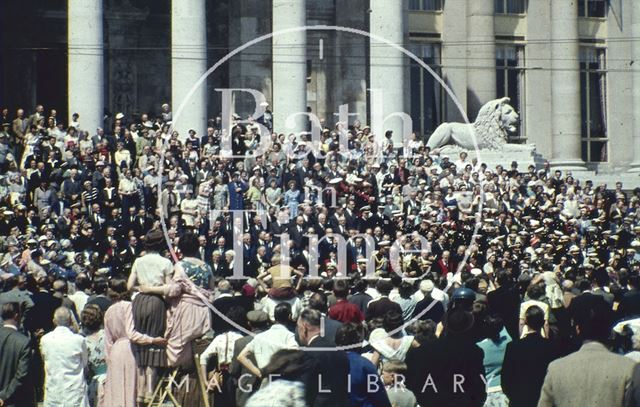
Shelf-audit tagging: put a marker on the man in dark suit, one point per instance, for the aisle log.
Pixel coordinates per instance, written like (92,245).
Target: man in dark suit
(40,316)
(329,382)
(279,225)
(256,263)
(218,265)
(223,304)
(16,388)
(350,215)
(303,171)
(16,292)
(359,296)
(505,301)
(205,249)
(320,226)
(131,253)
(449,371)
(429,307)
(630,302)
(255,228)
(142,223)
(525,362)
(381,305)
(297,232)
(599,280)
(318,302)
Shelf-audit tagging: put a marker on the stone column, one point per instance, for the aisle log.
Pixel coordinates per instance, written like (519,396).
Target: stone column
(386,68)
(86,62)
(188,64)
(565,87)
(635,47)
(454,57)
(481,56)
(289,66)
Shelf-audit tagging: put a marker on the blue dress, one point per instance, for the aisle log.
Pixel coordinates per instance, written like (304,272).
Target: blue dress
(291,199)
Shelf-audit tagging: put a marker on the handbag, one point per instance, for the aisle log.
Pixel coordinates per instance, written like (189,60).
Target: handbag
(216,376)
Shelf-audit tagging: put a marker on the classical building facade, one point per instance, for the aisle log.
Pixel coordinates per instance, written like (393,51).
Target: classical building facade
(569,66)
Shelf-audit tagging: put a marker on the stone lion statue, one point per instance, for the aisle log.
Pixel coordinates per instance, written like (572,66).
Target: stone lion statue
(495,119)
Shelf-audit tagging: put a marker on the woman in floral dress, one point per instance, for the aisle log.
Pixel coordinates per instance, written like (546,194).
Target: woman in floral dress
(196,270)
(273,195)
(91,318)
(220,195)
(188,316)
(204,195)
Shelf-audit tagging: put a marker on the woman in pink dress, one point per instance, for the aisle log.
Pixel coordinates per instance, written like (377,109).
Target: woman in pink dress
(188,316)
(119,334)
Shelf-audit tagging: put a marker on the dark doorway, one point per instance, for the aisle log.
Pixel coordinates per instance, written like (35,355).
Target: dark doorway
(51,79)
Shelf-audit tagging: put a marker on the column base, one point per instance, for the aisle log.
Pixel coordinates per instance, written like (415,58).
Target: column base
(568,165)
(634,167)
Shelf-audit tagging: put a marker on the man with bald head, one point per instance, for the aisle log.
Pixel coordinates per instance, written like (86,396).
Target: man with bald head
(65,359)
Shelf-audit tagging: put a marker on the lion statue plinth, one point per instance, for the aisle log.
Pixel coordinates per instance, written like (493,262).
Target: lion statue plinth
(495,120)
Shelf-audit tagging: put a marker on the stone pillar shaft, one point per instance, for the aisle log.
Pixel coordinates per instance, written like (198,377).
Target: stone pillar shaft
(86,62)
(565,86)
(188,64)
(289,66)
(386,68)
(481,56)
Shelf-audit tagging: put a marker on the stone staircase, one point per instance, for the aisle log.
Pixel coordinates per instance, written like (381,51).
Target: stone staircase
(526,154)
(629,180)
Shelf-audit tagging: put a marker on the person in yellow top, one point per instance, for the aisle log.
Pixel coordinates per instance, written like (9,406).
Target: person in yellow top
(281,289)
(279,274)
(254,195)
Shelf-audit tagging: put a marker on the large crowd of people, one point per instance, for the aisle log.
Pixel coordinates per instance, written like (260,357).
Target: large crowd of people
(369,274)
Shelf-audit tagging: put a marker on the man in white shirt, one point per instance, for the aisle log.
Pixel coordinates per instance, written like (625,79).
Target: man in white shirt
(65,358)
(462,162)
(270,305)
(534,292)
(80,297)
(266,343)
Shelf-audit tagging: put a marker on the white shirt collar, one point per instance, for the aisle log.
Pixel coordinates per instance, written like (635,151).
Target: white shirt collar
(312,338)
